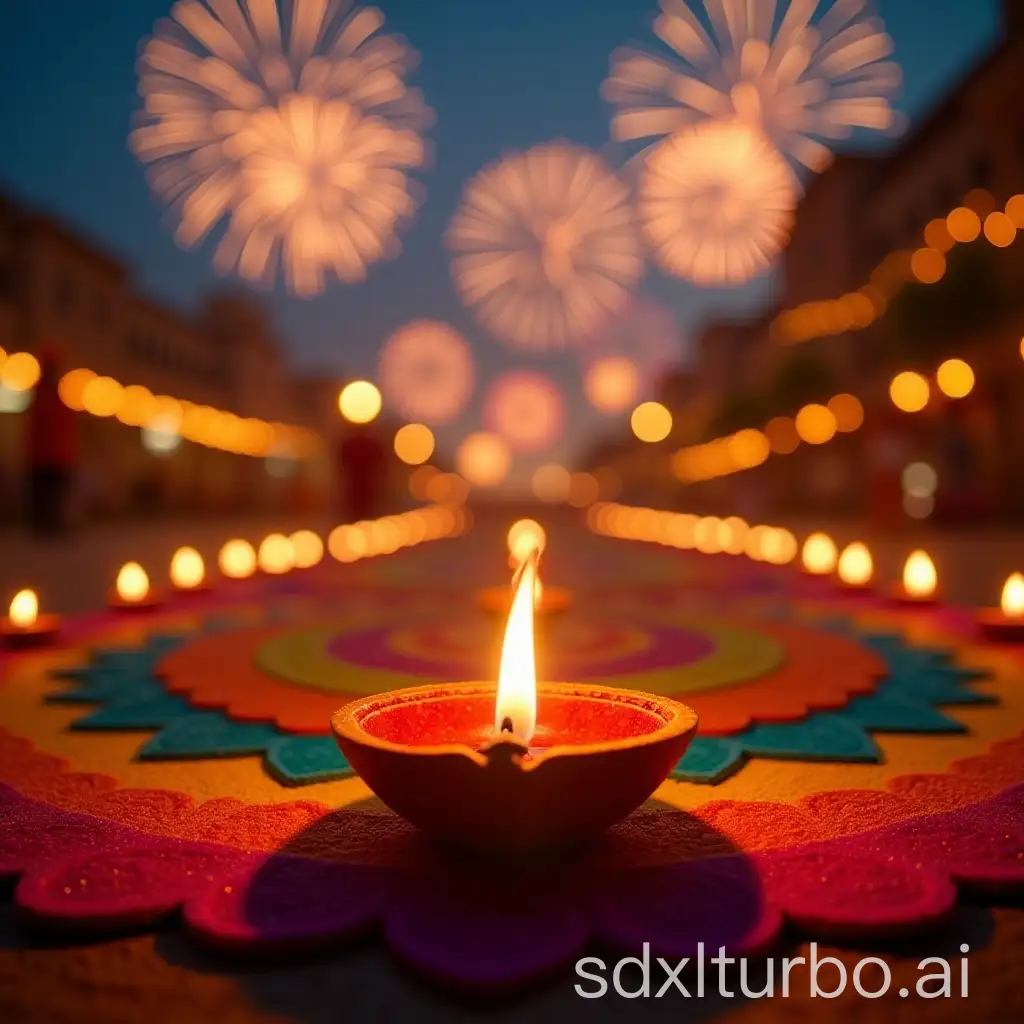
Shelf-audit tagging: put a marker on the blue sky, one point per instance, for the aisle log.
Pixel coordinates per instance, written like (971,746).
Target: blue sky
(501,76)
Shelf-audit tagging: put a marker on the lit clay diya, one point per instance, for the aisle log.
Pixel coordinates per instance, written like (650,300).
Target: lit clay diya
(525,768)
(920,583)
(24,627)
(1005,624)
(132,592)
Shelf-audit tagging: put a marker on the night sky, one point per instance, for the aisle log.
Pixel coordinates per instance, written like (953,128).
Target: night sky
(500,75)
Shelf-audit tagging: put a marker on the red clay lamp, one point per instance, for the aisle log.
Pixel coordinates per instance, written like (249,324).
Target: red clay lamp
(525,768)
(24,627)
(1005,624)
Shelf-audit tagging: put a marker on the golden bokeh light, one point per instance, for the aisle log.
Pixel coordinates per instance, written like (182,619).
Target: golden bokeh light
(928,265)
(524,537)
(706,536)
(414,443)
(937,236)
(419,481)
(963,224)
(909,391)
(748,448)
(855,565)
(955,378)
(187,569)
(819,554)
(919,576)
(103,397)
(816,424)
(71,388)
(1000,230)
(848,411)
(483,459)
(651,422)
(359,402)
(132,583)
(20,372)
(237,559)
(611,384)
(1015,210)
(276,555)
(308,548)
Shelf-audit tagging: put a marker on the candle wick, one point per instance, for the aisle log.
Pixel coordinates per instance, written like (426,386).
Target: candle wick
(506,724)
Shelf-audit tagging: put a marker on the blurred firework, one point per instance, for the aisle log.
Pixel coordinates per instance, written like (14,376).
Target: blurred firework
(716,203)
(546,246)
(525,409)
(611,384)
(426,371)
(292,121)
(804,82)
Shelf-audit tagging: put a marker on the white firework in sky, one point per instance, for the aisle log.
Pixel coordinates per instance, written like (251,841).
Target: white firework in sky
(716,203)
(804,82)
(293,122)
(546,246)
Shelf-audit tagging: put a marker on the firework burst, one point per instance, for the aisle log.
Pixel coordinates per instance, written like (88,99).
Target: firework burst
(716,203)
(293,123)
(426,371)
(804,82)
(546,246)
(526,409)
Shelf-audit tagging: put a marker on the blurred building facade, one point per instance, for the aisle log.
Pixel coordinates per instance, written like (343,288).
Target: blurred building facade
(864,207)
(60,294)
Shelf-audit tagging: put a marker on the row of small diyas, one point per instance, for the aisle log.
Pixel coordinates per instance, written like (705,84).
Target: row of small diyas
(277,555)
(853,566)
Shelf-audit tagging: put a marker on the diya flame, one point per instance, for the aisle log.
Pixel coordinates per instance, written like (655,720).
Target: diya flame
(515,708)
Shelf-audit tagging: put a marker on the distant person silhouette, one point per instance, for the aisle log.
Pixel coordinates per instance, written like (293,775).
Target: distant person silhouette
(52,452)
(362,469)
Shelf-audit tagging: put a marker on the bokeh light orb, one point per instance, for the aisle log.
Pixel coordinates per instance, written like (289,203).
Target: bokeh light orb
(583,490)
(483,459)
(816,424)
(848,411)
(909,391)
(276,555)
(237,559)
(525,409)
(651,422)
(920,480)
(524,537)
(20,372)
(551,483)
(716,204)
(102,397)
(611,384)
(546,247)
(919,576)
(71,388)
(955,378)
(414,443)
(360,402)
(426,372)
(307,547)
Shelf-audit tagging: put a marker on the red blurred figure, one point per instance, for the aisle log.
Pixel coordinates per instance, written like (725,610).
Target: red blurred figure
(361,472)
(52,451)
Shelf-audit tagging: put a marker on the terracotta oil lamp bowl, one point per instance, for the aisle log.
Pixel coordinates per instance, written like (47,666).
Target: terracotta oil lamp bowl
(520,769)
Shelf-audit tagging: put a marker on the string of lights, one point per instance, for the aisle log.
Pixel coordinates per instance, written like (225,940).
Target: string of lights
(136,406)
(977,216)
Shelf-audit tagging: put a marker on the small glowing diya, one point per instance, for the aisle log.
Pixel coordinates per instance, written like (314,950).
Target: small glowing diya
(920,581)
(819,555)
(188,572)
(529,767)
(24,627)
(855,568)
(1005,624)
(132,592)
